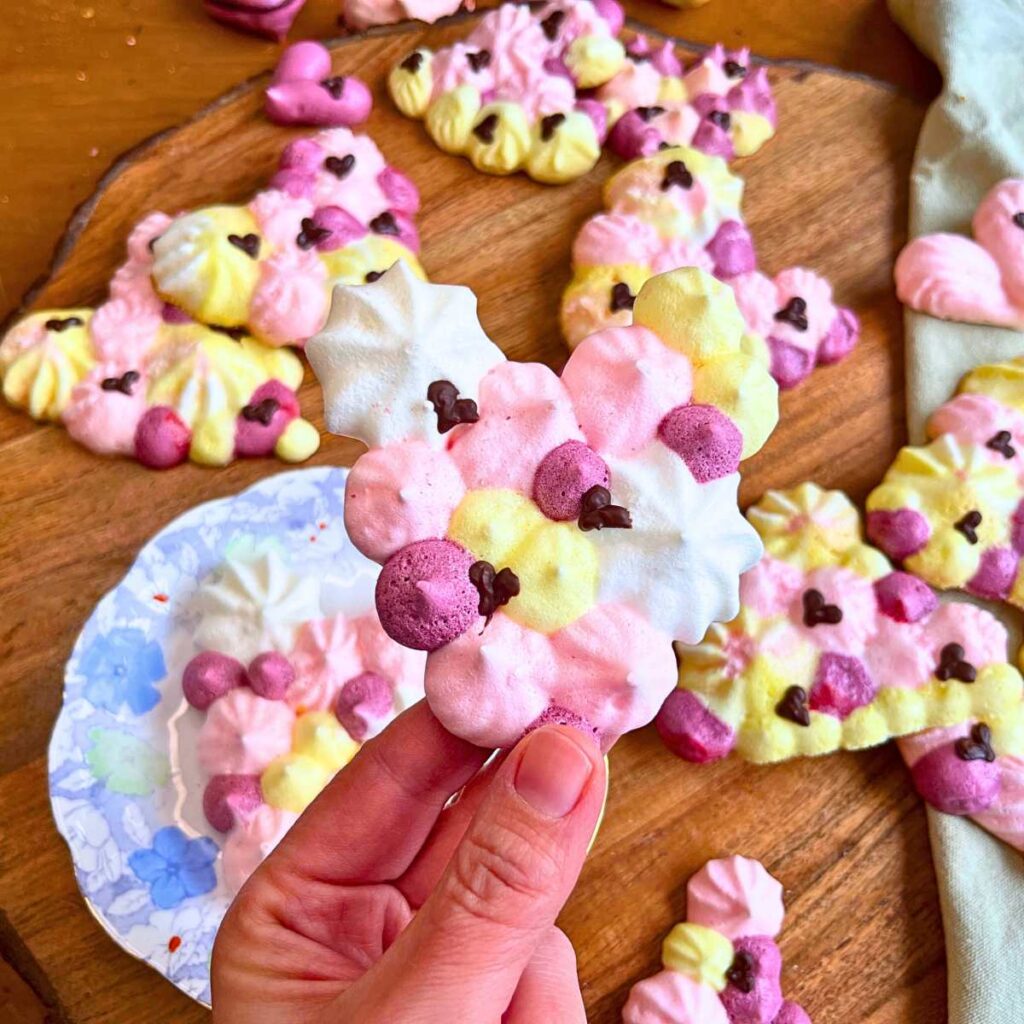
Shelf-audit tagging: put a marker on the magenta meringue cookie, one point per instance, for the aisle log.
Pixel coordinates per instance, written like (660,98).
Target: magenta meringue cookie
(270,675)
(363,705)
(229,799)
(264,419)
(900,533)
(564,475)
(338,101)
(269,18)
(705,439)
(737,897)
(691,731)
(753,994)
(959,776)
(401,193)
(307,61)
(904,598)
(732,250)
(398,494)
(162,439)
(424,595)
(209,676)
(615,238)
(634,136)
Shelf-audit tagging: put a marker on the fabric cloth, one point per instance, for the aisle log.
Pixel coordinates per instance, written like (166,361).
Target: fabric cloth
(972,137)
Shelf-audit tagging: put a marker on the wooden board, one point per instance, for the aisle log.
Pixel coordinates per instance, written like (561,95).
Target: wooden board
(845,834)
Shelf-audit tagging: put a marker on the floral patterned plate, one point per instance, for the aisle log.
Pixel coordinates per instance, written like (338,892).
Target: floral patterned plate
(123,784)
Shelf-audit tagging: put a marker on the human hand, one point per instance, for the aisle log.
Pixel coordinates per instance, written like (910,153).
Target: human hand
(383,906)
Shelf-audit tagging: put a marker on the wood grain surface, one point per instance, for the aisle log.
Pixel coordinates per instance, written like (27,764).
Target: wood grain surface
(846,835)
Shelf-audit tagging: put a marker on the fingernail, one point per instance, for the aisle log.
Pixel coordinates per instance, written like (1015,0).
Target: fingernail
(552,773)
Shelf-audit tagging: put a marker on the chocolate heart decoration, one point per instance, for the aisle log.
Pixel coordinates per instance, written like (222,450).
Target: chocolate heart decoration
(819,613)
(794,313)
(793,706)
(597,511)
(952,665)
(977,746)
(968,525)
(451,410)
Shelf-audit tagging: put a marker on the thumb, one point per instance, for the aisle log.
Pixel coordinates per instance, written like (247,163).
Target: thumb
(505,884)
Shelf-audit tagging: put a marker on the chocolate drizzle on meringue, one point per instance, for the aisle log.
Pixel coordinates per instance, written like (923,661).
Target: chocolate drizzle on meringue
(549,125)
(953,665)
(817,612)
(495,588)
(413,62)
(793,706)
(125,384)
(1000,442)
(479,60)
(968,525)
(622,297)
(340,166)
(794,313)
(311,234)
(451,410)
(676,173)
(384,224)
(335,86)
(485,130)
(977,746)
(60,324)
(261,412)
(597,511)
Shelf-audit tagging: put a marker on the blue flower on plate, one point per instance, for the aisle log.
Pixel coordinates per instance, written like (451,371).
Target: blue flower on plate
(123,667)
(176,867)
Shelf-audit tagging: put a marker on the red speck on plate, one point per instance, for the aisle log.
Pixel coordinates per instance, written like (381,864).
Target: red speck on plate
(323,526)
(312,538)
(162,598)
(174,944)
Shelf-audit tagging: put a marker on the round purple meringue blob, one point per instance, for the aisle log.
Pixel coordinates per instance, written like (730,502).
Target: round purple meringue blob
(253,438)
(295,182)
(612,13)
(306,60)
(841,337)
(564,475)
(841,685)
(732,249)
(424,595)
(1017,529)
(270,675)
(665,60)
(900,532)
(162,438)
(691,731)
(557,67)
(954,786)
(343,227)
(302,155)
(705,439)
(763,1002)
(597,114)
(362,703)
(996,572)
(790,363)
(791,1013)
(171,314)
(210,675)
(227,798)
(400,192)
(633,137)
(754,94)
(904,598)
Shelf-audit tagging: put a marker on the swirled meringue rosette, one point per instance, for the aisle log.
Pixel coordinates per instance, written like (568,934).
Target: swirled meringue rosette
(979,281)
(953,510)
(682,208)
(722,964)
(833,649)
(506,97)
(545,538)
(721,104)
(335,213)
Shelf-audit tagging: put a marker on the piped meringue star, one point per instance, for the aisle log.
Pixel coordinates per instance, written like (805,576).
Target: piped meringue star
(383,346)
(681,561)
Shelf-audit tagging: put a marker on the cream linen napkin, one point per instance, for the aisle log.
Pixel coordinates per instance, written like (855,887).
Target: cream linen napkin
(972,138)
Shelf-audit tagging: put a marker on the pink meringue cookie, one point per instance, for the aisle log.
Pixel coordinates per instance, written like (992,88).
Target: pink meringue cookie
(853,595)
(651,382)
(737,897)
(638,84)
(771,586)
(104,410)
(251,841)
(280,216)
(401,193)
(537,91)
(423,484)
(462,64)
(763,1000)
(342,100)
(400,666)
(576,18)
(357,190)
(522,401)
(678,125)
(615,238)
(634,136)
(271,407)
(229,799)
(981,635)
(691,731)
(269,18)
(1005,818)
(978,418)
(325,655)
(307,61)
(243,733)
(944,779)
(513,37)
(291,299)
(363,14)
(673,998)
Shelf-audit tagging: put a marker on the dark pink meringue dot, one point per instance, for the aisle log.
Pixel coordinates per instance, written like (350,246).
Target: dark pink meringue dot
(400,192)
(904,598)
(598,115)
(732,249)
(790,364)
(691,731)
(705,439)
(263,419)
(336,228)
(841,685)
(210,675)
(162,438)
(1017,529)
(362,703)
(764,999)
(424,595)
(955,786)
(228,799)
(633,137)
(270,675)
(302,154)
(996,573)
(556,714)
(900,532)
(564,475)
(841,337)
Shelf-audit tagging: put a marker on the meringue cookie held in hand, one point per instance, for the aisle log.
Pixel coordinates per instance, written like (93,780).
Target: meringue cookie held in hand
(304,91)
(722,965)
(546,538)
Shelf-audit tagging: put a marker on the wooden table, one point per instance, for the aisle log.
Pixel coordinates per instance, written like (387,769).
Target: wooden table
(82,83)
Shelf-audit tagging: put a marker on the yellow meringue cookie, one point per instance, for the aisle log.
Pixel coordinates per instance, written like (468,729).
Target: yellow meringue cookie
(410,87)
(564,152)
(499,146)
(299,441)
(372,254)
(749,132)
(38,376)
(698,952)
(319,735)
(292,782)
(672,90)
(586,302)
(450,118)
(492,523)
(208,263)
(745,391)
(213,439)
(594,60)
